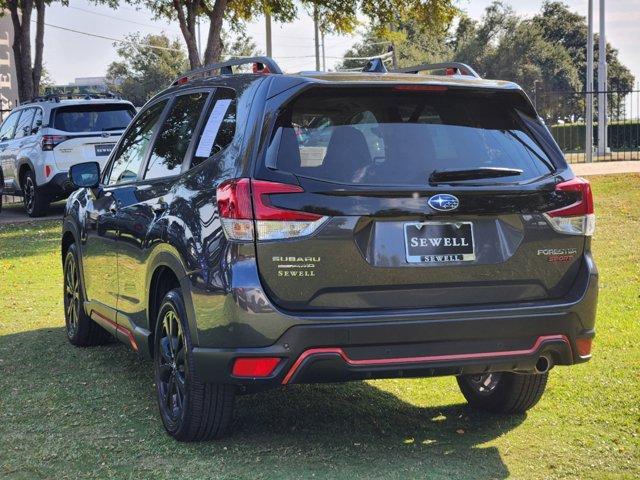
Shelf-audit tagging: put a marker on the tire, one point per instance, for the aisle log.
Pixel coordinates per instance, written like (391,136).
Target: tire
(36,203)
(191,410)
(503,392)
(81,330)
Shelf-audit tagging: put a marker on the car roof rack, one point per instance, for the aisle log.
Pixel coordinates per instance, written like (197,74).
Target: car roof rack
(375,65)
(262,65)
(56,97)
(450,68)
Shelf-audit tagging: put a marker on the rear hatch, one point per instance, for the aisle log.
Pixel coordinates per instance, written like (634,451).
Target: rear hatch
(423,196)
(86,132)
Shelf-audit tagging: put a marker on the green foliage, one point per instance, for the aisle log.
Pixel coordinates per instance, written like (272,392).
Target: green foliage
(91,413)
(146,66)
(545,53)
(622,136)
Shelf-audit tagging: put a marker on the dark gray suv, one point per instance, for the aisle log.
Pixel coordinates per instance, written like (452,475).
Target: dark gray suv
(253,230)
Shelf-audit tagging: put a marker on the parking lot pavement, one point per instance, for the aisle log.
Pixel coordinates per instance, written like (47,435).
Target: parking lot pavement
(13,211)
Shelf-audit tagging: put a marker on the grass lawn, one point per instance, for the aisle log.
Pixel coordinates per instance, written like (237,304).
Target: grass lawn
(67,412)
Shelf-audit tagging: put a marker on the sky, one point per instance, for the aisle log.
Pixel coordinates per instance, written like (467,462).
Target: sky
(71,54)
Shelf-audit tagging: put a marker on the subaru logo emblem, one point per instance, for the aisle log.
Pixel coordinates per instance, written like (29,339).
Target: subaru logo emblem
(444,202)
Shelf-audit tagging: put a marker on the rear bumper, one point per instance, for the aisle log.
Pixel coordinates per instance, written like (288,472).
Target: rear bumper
(494,338)
(58,186)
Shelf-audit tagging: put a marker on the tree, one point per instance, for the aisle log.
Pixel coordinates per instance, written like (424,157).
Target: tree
(149,64)
(28,72)
(46,82)
(563,27)
(414,43)
(146,66)
(337,15)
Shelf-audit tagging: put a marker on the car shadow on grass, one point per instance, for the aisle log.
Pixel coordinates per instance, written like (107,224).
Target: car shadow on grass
(352,430)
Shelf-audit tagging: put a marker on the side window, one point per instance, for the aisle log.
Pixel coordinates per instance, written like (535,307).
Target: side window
(220,127)
(37,121)
(175,135)
(134,146)
(8,127)
(23,129)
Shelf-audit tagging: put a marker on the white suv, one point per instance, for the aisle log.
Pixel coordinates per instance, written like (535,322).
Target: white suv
(41,139)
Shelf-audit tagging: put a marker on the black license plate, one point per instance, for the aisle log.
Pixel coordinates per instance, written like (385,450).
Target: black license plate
(104,149)
(439,242)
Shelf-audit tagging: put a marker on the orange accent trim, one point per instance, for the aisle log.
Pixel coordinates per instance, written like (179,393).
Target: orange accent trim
(119,328)
(425,359)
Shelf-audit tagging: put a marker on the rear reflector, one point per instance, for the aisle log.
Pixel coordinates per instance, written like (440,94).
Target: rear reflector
(254,366)
(578,217)
(583,346)
(243,202)
(47,171)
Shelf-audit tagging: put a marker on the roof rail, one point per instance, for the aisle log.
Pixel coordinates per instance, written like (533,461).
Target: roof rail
(451,68)
(56,97)
(375,65)
(260,65)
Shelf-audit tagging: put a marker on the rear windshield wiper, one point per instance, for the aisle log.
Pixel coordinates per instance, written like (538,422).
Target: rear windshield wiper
(444,176)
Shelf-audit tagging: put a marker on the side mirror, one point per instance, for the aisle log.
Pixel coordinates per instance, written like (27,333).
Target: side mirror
(85,175)
(26,131)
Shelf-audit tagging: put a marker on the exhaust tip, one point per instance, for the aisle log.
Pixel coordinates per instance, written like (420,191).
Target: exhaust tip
(544,364)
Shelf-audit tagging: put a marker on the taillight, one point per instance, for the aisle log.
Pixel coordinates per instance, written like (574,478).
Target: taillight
(578,217)
(49,142)
(421,88)
(246,211)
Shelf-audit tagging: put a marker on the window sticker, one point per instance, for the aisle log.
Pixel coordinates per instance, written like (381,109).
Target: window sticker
(210,131)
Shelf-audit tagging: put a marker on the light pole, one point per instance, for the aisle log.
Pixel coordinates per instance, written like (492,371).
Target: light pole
(267,25)
(602,86)
(316,36)
(588,120)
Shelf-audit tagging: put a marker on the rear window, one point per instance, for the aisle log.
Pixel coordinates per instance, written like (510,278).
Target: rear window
(92,118)
(388,137)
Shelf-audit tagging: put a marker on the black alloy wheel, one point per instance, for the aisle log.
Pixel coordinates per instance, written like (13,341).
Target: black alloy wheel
(191,410)
(36,202)
(503,392)
(171,368)
(72,304)
(484,384)
(29,192)
(81,330)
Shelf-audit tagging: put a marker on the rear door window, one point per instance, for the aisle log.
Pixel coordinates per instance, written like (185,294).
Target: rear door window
(23,129)
(37,120)
(92,118)
(391,137)
(175,135)
(219,127)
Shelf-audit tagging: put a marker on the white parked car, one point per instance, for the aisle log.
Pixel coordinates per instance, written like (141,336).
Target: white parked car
(41,139)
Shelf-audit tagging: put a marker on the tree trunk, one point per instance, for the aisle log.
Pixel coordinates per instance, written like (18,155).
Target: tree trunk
(28,74)
(188,28)
(214,41)
(37,63)
(21,18)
